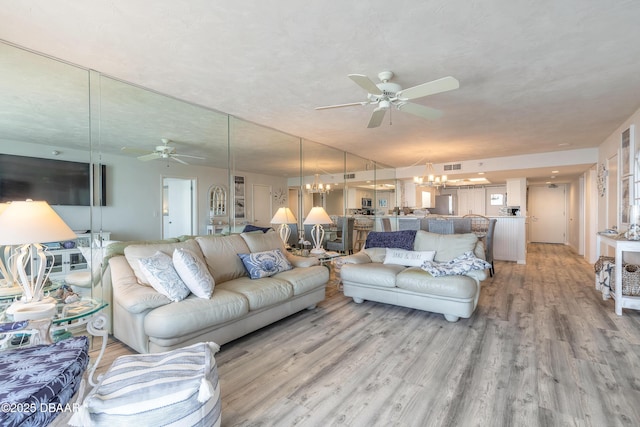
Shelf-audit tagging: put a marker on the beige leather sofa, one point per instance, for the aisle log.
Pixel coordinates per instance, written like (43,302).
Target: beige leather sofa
(149,322)
(365,277)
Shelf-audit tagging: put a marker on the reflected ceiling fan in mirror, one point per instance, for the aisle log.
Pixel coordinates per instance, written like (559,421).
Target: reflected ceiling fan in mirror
(387,94)
(163,151)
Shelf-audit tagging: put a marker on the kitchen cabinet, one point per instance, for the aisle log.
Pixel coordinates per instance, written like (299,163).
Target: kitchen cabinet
(510,240)
(471,201)
(517,192)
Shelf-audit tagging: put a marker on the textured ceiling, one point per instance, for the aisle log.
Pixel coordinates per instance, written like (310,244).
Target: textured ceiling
(535,76)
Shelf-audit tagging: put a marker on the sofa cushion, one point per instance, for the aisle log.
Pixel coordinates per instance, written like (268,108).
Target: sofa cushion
(221,256)
(417,280)
(260,242)
(265,264)
(193,272)
(38,376)
(163,277)
(260,293)
(195,314)
(408,258)
(374,274)
(134,252)
(391,239)
(305,279)
(447,246)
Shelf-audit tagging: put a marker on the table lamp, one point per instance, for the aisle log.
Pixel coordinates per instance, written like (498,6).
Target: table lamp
(317,216)
(284,217)
(27,224)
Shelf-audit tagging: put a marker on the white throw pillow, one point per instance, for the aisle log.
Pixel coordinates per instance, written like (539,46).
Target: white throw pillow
(193,272)
(163,277)
(408,258)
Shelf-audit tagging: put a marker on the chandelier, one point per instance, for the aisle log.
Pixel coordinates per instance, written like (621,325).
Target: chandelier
(430,178)
(317,186)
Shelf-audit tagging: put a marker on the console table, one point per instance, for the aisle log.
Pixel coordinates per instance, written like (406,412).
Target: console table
(620,246)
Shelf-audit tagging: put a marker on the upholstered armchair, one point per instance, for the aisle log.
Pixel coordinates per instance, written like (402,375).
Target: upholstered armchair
(344,241)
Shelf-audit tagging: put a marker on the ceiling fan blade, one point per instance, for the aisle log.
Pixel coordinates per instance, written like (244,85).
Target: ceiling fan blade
(135,150)
(151,156)
(178,160)
(187,155)
(376,117)
(351,104)
(420,110)
(441,85)
(365,83)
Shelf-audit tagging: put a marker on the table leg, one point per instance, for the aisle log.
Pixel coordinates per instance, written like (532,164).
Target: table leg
(95,327)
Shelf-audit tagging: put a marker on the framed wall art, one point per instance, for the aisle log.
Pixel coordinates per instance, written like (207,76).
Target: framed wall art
(627,153)
(238,197)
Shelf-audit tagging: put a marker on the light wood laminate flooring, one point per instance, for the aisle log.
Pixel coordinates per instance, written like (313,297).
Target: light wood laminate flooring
(542,349)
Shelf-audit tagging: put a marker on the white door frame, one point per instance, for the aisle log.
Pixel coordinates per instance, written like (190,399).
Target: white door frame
(193,205)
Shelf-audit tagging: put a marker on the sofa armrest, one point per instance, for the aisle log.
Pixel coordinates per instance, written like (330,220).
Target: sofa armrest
(302,261)
(131,295)
(357,258)
(479,275)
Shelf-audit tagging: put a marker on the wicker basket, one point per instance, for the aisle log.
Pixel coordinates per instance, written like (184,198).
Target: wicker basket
(630,280)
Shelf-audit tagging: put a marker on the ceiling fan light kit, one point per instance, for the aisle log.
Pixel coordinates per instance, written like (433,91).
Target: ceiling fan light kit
(387,94)
(163,151)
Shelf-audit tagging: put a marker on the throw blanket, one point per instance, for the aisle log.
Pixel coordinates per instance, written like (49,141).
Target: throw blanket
(391,239)
(457,266)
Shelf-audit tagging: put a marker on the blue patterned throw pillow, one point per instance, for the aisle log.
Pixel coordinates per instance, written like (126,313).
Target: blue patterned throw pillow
(391,239)
(265,264)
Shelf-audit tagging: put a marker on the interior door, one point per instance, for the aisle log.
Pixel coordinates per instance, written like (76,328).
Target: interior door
(547,214)
(262,205)
(177,207)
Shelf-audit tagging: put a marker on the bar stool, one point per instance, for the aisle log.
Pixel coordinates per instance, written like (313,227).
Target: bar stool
(362,231)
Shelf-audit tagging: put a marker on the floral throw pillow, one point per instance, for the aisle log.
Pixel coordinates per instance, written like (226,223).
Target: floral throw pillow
(457,266)
(163,277)
(193,272)
(265,264)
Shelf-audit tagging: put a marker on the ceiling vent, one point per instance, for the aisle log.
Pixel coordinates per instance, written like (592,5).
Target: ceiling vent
(453,167)
(349,176)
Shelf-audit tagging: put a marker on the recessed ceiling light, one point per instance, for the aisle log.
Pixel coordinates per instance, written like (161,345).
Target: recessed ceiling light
(480,173)
(555,171)
(564,144)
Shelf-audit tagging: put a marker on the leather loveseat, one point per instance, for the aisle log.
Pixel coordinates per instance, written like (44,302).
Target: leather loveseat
(366,276)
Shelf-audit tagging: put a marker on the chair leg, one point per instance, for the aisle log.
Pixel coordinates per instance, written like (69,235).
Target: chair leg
(491,270)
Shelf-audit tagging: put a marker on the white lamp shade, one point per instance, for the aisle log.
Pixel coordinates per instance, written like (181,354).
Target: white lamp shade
(32,222)
(317,215)
(284,216)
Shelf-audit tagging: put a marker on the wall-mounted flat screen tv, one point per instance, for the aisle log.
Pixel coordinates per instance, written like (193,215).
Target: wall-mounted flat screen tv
(59,182)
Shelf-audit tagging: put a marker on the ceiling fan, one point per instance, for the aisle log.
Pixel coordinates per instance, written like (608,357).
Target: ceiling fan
(387,94)
(163,151)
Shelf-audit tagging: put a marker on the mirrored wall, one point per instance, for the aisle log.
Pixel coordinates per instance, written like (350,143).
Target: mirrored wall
(160,167)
